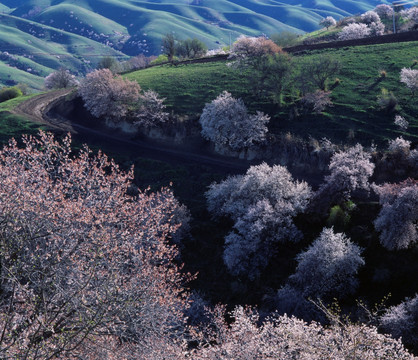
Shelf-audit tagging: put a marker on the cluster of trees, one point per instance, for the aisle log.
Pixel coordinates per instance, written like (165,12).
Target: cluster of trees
(262,203)
(185,49)
(117,99)
(88,272)
(383,19)
(275,74)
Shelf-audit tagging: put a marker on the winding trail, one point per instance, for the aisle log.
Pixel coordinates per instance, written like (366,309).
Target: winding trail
(38,109)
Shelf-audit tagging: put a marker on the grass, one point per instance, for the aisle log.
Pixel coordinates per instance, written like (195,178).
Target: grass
(355,116)
(14,126)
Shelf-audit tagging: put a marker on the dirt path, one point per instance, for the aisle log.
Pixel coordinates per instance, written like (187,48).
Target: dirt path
(38,109)
(38,106)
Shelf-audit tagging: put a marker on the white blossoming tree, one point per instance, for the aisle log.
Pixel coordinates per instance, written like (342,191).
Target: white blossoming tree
(226,122)
(354,31)
(328,267)
(327,22)
(397,220)
(410,78)
(262,204)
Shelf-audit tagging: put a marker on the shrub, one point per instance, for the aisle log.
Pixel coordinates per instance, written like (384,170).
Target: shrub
(387,101)
(350,170)
(288,338)
(150,111)
(9,93)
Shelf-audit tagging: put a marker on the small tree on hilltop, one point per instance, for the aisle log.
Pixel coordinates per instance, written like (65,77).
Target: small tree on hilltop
(262,204)
(168,45)
(398,218)
(248,51)
(226,122)
(60,79)
(328,21)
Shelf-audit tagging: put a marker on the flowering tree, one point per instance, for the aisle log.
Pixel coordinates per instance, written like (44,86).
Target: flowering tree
(354,31)
(60,79)
(316,101)
(288,338)
(262,204)
(370,17)
(410,14)
(410,78)
(84,266)
(401,122)
(384,11)
(328,21)
(402,321)
(397,220)
(117,99)
(377,28)
(328,267)
(226,122)
(105,95)
(247,50)
(151,110)
(349,171)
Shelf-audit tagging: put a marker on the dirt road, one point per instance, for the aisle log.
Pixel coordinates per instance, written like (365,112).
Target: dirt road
(38,106)
(38,109)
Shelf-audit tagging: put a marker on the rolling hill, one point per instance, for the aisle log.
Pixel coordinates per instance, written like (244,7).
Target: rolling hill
(38,36)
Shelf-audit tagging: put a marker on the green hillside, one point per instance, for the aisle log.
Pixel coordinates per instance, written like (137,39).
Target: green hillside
(77,34)
(355,115)
(30,51)
(137,26)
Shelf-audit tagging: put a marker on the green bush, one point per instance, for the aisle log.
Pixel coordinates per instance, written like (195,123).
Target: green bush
(8,93)
(160,60)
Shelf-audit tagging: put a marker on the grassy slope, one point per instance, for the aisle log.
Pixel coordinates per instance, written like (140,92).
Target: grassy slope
(355,111)
(44,49)
(12,125)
